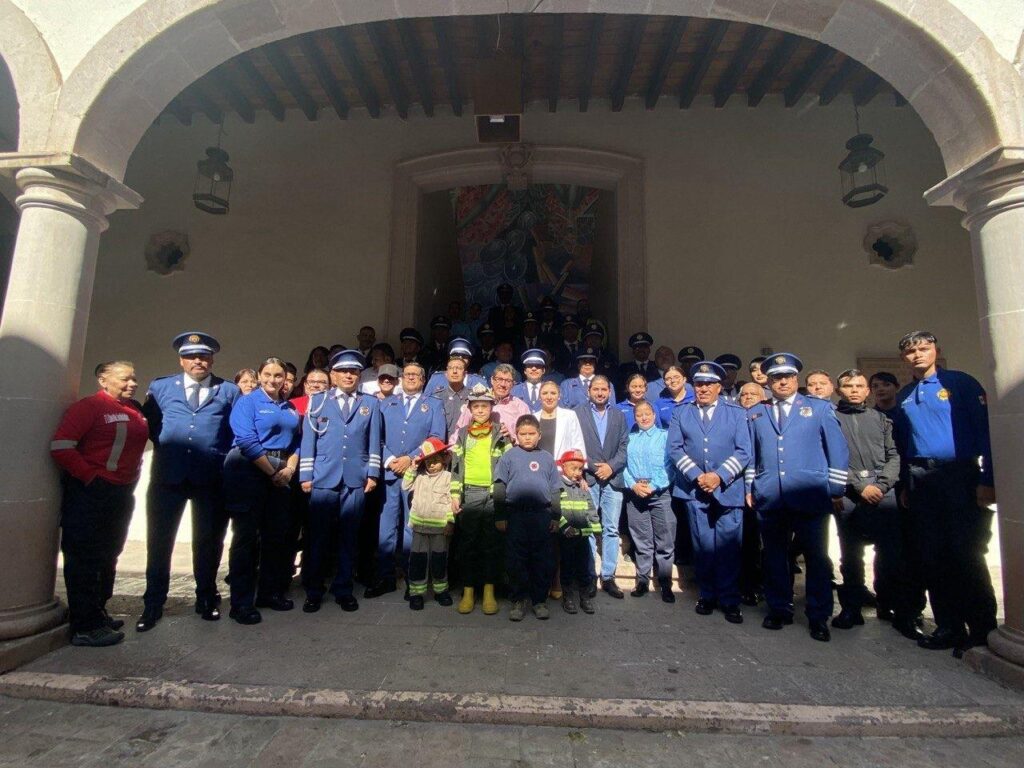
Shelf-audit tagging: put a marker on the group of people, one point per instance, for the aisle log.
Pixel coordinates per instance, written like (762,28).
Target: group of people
(450,464)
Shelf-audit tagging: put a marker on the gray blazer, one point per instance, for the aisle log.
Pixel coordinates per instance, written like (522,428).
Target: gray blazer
(612,451)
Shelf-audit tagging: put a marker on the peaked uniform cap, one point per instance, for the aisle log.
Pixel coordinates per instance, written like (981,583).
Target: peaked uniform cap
(195,343)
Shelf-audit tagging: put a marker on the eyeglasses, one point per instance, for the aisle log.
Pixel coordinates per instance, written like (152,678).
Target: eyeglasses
(412,375)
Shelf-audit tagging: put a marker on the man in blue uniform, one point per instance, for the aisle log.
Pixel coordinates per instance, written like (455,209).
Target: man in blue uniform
(457,348)
(641,363)
(435,354)
(486,336)
(411,346)
(731,364)
(568,346)
(548,329)
(796,477)
(188,416)
(943,437)
(339,465)
(535,365)
(409,419)
(709,443)
(576,390)
(594,337)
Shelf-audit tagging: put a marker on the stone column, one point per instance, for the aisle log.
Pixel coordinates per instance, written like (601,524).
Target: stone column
(992,194)
(42,340)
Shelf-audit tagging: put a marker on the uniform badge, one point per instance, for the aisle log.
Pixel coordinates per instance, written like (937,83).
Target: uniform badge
(755,416)
(534,466)
(322,420)
(364,411)
(805,411)
(424,407)
(779,360)
(705,369)
(943,394)
(194,339)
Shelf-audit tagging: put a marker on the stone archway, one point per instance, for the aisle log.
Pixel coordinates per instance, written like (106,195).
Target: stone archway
(37,81)
(969,97)
(617,173)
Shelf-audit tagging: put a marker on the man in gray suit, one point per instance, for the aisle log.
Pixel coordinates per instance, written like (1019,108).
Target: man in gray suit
(605,436)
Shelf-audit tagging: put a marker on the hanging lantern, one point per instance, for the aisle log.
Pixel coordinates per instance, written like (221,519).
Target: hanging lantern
(862,172)
(213,181)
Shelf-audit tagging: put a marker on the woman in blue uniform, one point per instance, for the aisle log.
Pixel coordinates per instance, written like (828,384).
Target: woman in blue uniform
(257,473)
(675,393)
(636,393)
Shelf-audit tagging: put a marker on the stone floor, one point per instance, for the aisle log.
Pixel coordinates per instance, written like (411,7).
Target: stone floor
(51,735)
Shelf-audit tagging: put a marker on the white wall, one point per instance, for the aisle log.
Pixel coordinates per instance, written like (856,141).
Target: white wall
(747,242)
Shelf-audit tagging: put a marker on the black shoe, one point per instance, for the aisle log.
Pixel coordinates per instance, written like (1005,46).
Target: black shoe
(416,602)
(110,621)
(667,595)
(732,614)
(641,589)
(704,607)
(908,629)
(148,619)
(819,631)
(380,588)
(97,638)
(750,598)
(208,610)
(443,598)
(942,640)
(275,603)
(247,615)
(591,590)
(848,620)
(884,614)
(869,598)
(775,621)
(347,602)
(609,586)
(312,604)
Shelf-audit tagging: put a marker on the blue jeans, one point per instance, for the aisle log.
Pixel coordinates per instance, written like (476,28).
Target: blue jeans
(608,501)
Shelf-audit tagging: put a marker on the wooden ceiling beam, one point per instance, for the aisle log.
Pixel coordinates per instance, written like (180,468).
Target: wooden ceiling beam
(590,62)
(555,61)
(346,49)
(634,36)
(803,79)
(234,96)
(279,61)
(445,47)
(324,75)
(669,45)
(207,106)
(738,66)
(417,63)
(867,90)
(386,58)
(777,62)
(691,83)
(182,113)
(267,95)
(837,82)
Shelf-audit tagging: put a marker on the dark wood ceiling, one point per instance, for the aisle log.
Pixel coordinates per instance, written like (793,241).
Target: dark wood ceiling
(430,62)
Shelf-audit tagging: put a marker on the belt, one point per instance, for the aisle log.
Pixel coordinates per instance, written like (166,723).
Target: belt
(276,454)
(926,463)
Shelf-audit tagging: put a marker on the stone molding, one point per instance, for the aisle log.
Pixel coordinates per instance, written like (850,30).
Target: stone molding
(612,171)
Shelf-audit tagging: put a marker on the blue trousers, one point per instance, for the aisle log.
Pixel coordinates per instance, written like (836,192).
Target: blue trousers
(395,536)
(165,504)
(717,535)
(608,501)
(779,528)
(334,517)
(652,527)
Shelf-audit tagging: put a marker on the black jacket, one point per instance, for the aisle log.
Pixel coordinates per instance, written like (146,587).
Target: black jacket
(873,456)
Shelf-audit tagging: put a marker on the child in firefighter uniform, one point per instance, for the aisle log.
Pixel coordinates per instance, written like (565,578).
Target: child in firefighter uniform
(432,520)
(579,522)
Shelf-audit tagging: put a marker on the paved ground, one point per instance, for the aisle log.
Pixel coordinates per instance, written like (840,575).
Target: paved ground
(57,735)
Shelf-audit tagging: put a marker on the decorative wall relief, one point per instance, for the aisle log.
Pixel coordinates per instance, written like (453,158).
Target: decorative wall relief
(890,244)
(166,252)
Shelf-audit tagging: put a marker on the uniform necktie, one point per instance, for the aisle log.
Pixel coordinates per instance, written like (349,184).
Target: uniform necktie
(704,415)
(346,411)
(586,383)
(782,413)
(193,397)
(408,406)
(533,392)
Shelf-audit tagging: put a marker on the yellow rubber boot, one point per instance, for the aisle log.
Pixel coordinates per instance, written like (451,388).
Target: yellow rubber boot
(467,601)
(490,603)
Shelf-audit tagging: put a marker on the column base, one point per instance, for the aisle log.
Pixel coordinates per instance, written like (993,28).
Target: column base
(25,622)
(16,653)
(1002,660)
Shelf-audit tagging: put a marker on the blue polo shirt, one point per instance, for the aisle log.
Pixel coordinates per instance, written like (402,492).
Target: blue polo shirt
(261,424)
(945,417)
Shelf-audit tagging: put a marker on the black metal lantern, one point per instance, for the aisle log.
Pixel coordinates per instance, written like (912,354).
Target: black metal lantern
(862,171)
(213,181)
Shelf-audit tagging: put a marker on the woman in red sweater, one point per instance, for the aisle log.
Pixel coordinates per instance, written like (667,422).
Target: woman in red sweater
(99,446)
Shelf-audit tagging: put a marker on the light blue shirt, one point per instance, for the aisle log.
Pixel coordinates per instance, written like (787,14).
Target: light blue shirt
(600,421)
(647,457)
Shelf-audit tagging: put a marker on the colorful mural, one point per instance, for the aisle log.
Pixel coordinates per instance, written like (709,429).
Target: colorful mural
(540,240)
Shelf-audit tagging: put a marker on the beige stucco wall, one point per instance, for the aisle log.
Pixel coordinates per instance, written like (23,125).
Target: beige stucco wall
(747,242)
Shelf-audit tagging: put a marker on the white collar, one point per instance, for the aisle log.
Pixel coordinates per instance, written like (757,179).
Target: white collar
(788,401)
(189,381)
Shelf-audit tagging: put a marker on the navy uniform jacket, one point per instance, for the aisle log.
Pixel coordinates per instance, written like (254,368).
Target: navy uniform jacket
(189,446)
(522,391)
(337,452)
(804,466)
(574,393)
(402,436)
(612,451)
(438,382)
(723,448)
(945,417)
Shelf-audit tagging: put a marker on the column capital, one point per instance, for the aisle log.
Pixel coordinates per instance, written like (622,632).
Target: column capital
(992,184)
(68,183)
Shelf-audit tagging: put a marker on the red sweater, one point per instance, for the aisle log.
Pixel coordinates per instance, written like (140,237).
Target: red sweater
(101,437)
